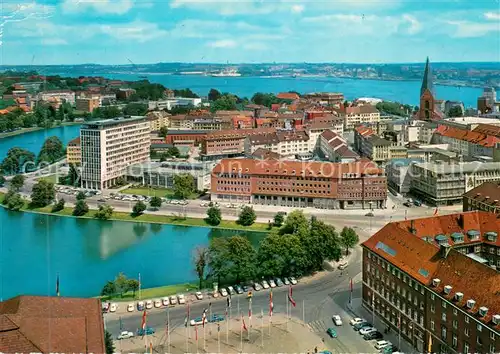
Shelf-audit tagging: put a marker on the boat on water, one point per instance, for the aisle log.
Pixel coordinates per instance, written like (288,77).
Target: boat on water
(227,73)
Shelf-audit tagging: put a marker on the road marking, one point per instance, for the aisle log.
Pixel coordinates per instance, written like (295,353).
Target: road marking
(317,326)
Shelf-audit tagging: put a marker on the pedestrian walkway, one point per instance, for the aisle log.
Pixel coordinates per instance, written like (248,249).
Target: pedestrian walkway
(318,326)
(359,311)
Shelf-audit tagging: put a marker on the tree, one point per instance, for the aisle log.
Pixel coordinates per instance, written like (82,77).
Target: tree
(17,182)
(200,260)
(214,95)
(455,111)
(138,208)
(281,255)
(264,99)
(133,284)
(81,208)
(349,238)
(42,193)
(279,218)
(104,212)
(2,181)
(135,109)
(214,216)
(185,93)
(183,185)
(109,289)
(106,112)
(295,223)
(155,202)
(174,151)
(121,283)
(247,216)
(241,258)
(108,342)
(73,177)
(80,196)
(14,201)
(217,257)
(226,102)
(52,150)
(58,206)
(17,161)
(163,132)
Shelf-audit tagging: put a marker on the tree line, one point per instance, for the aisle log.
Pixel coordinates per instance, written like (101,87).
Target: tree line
(298,247)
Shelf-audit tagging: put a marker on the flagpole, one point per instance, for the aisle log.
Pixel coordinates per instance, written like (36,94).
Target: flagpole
(139,286)
(168,327)
(238,304)
(241,334)
(262,327)
(218,337)
(204,338)
(196,330)
(303,311)
(286,299)
(227,329)
(187,341)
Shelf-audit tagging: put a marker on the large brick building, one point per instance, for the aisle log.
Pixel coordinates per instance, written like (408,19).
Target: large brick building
(426,279)
(325,185)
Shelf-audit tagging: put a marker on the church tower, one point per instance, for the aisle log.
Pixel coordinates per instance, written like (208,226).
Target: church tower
(427,99)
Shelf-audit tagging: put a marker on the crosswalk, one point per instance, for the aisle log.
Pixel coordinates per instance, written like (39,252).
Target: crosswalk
(317,326)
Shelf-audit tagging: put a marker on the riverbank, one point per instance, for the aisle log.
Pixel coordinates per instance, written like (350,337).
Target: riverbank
(178,220)
(34,129)
(152,293)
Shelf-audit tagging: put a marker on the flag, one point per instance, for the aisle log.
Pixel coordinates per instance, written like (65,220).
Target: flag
(436,211)
(226,312)
(249,313)
(121,324)
(228,302)
(57,285)
(143,324)
(351,285)
(218,327)
(271,305)
(151,347)
(204,317)
(429,346)
(166,328)
(186,322)
(243,323)
(290,298)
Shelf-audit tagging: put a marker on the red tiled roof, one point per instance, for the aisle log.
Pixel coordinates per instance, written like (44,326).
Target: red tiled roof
(287,96)
(488,129)
(74,142)
(275,107)
(365,109)
(237,133)
(338,144)
(364,131)
(51,324)
(298,168)
(472,137)
(488,193)
(424,261)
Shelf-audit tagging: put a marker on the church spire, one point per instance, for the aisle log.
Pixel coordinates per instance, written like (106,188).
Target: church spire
(427,81)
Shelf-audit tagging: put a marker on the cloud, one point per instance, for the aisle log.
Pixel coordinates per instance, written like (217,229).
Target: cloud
(297,9)
(492,15)
(138,30)
(223,43)
(469,29)
(116,7)
(413,26)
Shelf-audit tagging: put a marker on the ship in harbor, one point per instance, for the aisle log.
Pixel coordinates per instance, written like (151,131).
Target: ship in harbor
(227,73)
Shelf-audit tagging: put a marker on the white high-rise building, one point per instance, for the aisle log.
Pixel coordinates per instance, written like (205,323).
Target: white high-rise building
(109,147)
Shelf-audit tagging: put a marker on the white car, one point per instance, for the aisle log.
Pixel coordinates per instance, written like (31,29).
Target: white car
(157,303)
(112,308)
(125,335)
(272,283)
(265,285)
(199,295)
(366,330)
(381,344)
(337,320)
(173,300)
(196,321)
(130,308)
(149,304)
(182,299)
(356,320)
(223,291)
(165,301)
(293,280)
(286,281)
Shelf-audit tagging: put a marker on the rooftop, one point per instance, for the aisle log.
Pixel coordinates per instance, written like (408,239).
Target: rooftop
(265,154)
(488,192)
(74,142)
(114,121)
(462,167)
(473,137)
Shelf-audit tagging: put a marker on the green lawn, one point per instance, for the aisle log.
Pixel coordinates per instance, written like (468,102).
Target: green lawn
(154,292)
(49,178)
(151,218)
(159,192)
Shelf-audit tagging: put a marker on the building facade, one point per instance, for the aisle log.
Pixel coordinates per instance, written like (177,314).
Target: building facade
(58,95)
(359,115)
(87,104)
(74,152)
(109,147)
(300,184)
(484,197)
(335,149)
(158,120)
(440,298)
(398,176)
(179,137)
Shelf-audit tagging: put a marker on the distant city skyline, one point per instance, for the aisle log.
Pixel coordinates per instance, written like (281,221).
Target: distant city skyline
(56,32)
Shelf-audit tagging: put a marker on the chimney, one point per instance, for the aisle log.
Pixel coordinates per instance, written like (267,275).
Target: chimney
(444,249)
(461,221)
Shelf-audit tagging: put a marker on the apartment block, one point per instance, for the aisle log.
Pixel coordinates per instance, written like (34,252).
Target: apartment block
(426,280)
(398,176)
(484,197)
(74,152)
(109,147)
(88,104)
(287,143)
(179,137)
(335,149)
(441,183)
(465,142)
(325,185)
(325,98)
(57,95)
(360,115)
(158,120)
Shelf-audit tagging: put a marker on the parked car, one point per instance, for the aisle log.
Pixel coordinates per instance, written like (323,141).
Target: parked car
(257,287)
(337,320)
(113,307)
(356,320)
(286,281)
(246,288)
(293,280)
(332,332)
(390,349)
(366,330)
(199,295)
(343,266)
(149,304)
(265,284)
(196,321)
(105,307)
(157,303)
(238,289)
(147,331)
(279,282)
(130,307)
(165,301)
(381,344)
(173,300)
(231,291)
(182,299)
(272,284)
(373,335)
(362,325)
(216,318)
(140,306)
(223,291)
(125,335)
(407,204)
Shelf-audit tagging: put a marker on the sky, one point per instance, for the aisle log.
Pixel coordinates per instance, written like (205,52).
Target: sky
(46,32)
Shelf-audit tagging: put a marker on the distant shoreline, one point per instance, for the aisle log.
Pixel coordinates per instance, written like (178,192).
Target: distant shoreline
(34,129)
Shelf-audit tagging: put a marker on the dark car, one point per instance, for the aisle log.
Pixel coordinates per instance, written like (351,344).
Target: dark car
(216,318)
(373,335)
(407,204)
(246,288)
(279,282)
(389,350)
(147,331)
(238,289)
(358,326)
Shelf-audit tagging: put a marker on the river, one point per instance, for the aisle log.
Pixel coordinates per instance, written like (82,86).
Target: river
(86,253)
